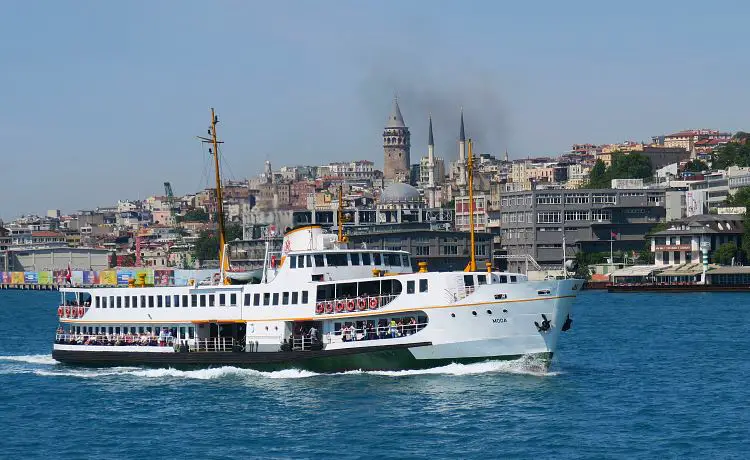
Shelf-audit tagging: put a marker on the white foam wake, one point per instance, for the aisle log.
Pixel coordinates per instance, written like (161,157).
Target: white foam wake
(31,359)
(524,366)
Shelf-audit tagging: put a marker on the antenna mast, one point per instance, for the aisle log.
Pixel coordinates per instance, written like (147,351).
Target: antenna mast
(223,261)
(470,172)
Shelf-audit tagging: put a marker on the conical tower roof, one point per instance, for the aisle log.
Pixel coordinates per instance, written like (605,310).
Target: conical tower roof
(430,140)
(395,119)
(462,133)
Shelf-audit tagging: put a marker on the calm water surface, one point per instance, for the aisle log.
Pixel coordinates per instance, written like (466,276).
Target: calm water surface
(638,376)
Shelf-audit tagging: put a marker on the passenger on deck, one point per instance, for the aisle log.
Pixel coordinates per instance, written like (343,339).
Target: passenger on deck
(393,329)
(313,333)
(412,325)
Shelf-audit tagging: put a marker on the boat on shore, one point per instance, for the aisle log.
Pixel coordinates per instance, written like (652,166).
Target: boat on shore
(319,305)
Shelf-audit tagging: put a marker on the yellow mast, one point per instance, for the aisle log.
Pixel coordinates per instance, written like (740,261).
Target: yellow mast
(223,261)
(470,170)
(340,215)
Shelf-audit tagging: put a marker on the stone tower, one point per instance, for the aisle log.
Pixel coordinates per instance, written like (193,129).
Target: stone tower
(396,147)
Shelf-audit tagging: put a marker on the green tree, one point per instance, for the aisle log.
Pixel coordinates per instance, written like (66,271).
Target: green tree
(740,198)
(632,166)
(195,215)
(207,245)
(724,254)
(696,166)
(732,154)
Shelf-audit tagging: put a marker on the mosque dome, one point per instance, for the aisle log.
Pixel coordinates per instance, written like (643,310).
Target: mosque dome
(399,193)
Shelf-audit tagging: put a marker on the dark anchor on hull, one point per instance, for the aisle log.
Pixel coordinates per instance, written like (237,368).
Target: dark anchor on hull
(566,325)
(545,326)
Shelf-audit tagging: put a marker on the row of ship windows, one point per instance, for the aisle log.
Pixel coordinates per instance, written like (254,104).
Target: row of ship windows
(202,300)
(347,259)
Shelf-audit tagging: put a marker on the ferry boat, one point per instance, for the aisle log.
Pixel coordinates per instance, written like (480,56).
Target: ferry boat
(319,305)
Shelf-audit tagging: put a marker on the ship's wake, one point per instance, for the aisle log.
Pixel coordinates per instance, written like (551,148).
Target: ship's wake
(45,366)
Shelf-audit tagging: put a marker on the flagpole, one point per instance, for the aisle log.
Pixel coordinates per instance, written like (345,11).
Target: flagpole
(611,253)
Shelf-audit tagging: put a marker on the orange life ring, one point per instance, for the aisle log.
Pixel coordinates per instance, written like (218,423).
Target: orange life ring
(60,311)
(339,306)
(373,303)
(67,312)
(350,306)
(362,304)
(329,307)
(319,308)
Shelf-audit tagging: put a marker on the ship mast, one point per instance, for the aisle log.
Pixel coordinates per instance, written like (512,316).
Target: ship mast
(223,260)
(470,171)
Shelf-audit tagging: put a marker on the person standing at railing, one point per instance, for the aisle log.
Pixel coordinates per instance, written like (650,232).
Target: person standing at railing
(393,329)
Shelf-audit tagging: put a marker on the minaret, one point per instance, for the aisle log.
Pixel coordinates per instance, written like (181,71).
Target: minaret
(462,140)
(431,156)
(396,147)
(506,156)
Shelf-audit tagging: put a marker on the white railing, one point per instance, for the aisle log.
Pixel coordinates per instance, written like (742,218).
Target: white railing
(352,304)
(374,333)
(213,344)
(114,340)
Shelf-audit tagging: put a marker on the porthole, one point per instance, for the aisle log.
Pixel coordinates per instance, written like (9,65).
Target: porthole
(489,312)
(276,328)
(453,315)
(266,327)
(505,311)
(474,313)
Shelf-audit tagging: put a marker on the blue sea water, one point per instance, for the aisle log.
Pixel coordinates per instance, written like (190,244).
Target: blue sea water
(638,376)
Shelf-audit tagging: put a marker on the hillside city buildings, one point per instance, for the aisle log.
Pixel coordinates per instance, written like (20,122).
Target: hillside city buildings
(526,206)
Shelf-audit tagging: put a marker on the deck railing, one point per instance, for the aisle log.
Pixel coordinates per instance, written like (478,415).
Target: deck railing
(114,340)
(213,344)
(375,333)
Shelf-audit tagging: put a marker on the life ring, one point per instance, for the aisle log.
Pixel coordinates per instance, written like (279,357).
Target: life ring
(67,312)
(373,303)
(350,306)
(60,311)
(74,312)
(339,306)
(362,304)
(81,311)
(329,307)
(319,308)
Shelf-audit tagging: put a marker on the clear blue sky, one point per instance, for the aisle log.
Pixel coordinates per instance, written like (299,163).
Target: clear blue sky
(101,100)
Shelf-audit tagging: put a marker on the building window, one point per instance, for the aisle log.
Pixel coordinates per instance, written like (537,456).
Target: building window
(677,257)
(422,250)
(450,250)
(576,198)
(609,198)
(576,215)
(601,214)
(548,217)
(545,198)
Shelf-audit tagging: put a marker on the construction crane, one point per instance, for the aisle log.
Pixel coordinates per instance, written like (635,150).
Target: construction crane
(170,201)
